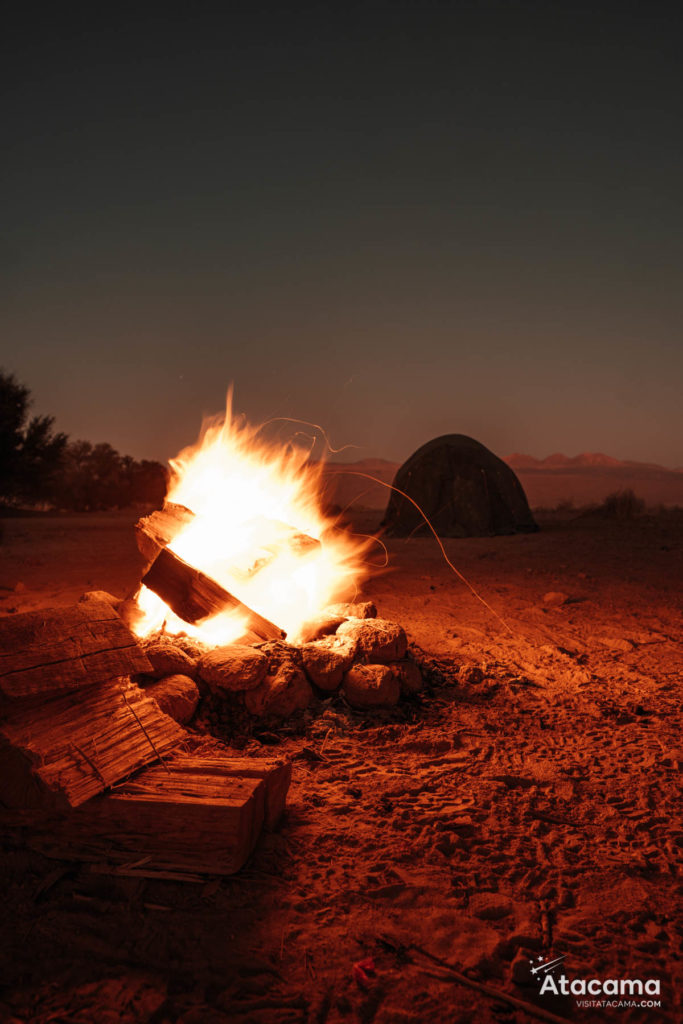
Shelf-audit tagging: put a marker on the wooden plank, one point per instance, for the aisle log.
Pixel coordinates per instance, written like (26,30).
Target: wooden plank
(194,596)
(177,821)
(154,532)
(276,774)
(61,649)
(67,750)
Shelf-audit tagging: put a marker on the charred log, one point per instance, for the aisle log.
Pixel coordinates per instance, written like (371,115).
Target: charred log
(154,532)
(194,596)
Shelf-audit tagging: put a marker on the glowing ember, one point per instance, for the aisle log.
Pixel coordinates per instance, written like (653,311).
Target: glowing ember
(259,530)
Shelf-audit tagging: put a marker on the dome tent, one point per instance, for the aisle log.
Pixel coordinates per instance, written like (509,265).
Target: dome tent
(463,489)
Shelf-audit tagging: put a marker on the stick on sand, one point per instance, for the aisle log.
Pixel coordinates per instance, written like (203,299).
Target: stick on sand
(448,973)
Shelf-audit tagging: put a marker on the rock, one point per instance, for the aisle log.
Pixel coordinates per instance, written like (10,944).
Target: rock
(168,659)
(362,610)
(19,588)
(377,640)
(233,667)
(193,648)
(555,597)
(371,686)
(176,695)
(326,661)
(489,906)
(409,676)
(280,652)
(99,596)
(281,692)
(320,626)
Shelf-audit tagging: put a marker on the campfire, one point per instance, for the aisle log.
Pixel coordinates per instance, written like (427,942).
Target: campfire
(244,561)
(249,552)
(239,606)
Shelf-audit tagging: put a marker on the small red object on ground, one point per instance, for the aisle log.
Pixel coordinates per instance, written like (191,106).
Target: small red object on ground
(361,970)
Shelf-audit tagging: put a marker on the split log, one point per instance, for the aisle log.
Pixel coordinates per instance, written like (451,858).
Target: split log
(61,753)
(196,815)
(62,649)
(275,773)
(194,596)
(154,532)
(159,822)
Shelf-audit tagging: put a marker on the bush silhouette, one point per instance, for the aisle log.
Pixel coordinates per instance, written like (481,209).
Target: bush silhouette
(622,505)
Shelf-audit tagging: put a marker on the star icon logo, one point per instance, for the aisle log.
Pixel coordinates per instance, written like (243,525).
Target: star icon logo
(545,965)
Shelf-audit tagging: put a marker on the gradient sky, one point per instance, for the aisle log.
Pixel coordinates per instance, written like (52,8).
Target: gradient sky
(394,219)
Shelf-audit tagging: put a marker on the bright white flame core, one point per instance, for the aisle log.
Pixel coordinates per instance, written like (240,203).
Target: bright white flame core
(252,501)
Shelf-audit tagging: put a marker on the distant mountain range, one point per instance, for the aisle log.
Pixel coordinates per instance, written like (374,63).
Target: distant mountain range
(582,479)
(587,460)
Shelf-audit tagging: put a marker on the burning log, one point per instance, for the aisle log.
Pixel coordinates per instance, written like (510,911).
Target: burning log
(62,649)
(194,596)
(58,754)
(286,539)
(154,532)
(195,814)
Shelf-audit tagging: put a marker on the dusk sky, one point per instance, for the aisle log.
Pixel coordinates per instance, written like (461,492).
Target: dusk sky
(397,220)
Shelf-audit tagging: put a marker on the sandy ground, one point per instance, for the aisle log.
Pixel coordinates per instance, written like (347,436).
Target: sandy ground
(528,805)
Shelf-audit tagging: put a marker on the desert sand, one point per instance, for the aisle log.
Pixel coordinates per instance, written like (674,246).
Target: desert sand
(526,805)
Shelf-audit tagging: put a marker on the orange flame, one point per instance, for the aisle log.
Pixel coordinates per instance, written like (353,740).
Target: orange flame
(258,517)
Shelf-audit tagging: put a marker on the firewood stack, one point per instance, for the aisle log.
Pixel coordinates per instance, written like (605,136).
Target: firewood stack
(92,769)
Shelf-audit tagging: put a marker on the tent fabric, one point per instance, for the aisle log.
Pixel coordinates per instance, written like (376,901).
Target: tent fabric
(463,489)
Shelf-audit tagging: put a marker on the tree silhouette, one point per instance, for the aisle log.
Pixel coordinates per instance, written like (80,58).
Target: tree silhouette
(97,477)
(30,452)
(38,466)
